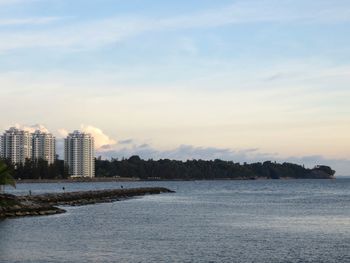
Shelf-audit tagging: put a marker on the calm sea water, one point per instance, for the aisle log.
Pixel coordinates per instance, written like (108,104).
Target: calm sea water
(204,221)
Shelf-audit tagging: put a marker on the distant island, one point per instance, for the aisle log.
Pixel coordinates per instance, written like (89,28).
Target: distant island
(166,169)
(136,168)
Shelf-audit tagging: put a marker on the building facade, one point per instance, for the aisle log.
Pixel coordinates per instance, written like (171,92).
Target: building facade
(16,145)
(79,154)
(43,146)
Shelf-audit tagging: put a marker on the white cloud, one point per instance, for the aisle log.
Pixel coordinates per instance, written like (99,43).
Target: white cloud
(102,141)
(32,128)
(63,133)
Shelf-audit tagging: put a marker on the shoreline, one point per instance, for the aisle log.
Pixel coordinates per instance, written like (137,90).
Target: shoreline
(79,180)
(130,179)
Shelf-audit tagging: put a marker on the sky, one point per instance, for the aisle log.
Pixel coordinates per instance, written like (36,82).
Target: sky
(244,80)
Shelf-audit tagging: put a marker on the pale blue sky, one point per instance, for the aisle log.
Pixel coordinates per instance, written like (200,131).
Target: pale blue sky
(183,78)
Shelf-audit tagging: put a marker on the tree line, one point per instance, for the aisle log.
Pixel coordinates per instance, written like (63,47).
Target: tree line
(37,169)
(166,169)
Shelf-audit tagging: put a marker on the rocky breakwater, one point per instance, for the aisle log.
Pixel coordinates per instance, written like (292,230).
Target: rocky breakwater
(93,197)
(14,206)
(45,204)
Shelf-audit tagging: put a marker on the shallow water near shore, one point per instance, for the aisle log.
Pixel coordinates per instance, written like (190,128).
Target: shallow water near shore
(204,221)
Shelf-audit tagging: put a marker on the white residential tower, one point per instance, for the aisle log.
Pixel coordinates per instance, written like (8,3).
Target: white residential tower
(79,154)
(43,146)
(16,145)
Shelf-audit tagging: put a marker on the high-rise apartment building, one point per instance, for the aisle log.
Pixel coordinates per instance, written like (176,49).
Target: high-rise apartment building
(43,146)
(16,145)
(79,154)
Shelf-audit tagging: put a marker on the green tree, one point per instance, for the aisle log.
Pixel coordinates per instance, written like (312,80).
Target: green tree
(5,177)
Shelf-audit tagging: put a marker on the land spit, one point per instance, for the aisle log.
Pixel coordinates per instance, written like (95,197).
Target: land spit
(46,204)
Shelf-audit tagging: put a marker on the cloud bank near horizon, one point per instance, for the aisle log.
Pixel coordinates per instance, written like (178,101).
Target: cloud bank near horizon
(190,152)
(107,148)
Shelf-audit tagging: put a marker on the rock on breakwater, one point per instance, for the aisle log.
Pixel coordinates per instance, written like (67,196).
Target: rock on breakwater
(44,204)
(13,206)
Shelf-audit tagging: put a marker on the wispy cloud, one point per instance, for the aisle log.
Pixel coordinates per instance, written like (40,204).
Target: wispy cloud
(184,152)
(11,2)
(127,141)
(28,21)
(97,33)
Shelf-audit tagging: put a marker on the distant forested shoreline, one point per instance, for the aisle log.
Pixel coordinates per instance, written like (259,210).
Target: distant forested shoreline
(165,169)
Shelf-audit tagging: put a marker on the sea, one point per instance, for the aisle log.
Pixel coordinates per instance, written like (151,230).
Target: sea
(204,221)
